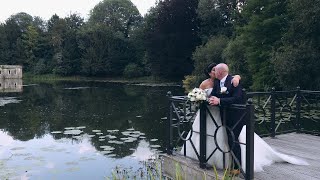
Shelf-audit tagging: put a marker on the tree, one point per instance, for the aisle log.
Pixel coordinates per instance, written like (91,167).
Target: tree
(171,37)
(296,61)
(235,56)
(104,52)
(211,52)
(15,26)
(266,23)
(4,46)
(57,33)
(120,15)
(218,17)
(23,20)
(70,64)
(30,40)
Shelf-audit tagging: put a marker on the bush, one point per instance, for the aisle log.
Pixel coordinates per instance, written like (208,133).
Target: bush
(191,82)
(132,70)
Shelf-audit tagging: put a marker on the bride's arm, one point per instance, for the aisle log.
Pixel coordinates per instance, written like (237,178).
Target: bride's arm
(236,80)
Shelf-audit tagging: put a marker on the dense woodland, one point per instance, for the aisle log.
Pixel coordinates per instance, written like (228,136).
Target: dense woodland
(272,43)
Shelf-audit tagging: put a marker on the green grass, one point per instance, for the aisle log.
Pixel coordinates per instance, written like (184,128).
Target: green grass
(53,77)
(153,171)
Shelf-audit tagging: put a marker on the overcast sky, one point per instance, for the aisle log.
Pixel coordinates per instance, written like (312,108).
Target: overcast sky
(46,8)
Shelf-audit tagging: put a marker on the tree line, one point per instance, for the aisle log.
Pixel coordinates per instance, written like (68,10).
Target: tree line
(272,43)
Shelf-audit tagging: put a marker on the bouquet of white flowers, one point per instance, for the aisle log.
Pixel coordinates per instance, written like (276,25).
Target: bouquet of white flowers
(197,95)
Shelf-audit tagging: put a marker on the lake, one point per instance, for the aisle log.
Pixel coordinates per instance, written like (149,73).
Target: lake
(92,130)
(80,130)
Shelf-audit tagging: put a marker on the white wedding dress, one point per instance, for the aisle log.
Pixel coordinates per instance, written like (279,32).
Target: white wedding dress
(264,155)
(222,140)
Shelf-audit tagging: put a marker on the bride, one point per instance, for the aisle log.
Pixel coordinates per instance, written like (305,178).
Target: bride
(263,154)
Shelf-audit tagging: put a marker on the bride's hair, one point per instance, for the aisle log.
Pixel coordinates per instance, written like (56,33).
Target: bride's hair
(208,69)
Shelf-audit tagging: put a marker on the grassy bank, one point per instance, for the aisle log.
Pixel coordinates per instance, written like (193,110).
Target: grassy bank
(148,80)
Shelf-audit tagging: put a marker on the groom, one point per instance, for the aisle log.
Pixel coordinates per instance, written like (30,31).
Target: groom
(224,94)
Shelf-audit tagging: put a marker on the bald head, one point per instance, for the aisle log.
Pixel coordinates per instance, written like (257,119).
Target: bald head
(221,70)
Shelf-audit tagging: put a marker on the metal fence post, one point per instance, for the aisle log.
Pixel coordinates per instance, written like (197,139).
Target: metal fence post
(169,123)
(298,109)
(250,141)
(273,113)
(203,135)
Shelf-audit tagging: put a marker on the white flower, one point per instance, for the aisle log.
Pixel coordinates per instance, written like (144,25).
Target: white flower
(197,94)
(223,90)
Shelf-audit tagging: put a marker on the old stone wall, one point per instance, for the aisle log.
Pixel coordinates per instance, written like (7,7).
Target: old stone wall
(10,71)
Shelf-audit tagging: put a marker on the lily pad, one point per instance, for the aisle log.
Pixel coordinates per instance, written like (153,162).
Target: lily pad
(153,140)
(56,132)
(73,132)
(155,146)
(111,137)
(126,133)
(71,163)
(73,169)
(106,152)
(134,135)
(17,148)
(107,148)
(128,141)
(77,137)
(96,131)
(116,142)
(113,131)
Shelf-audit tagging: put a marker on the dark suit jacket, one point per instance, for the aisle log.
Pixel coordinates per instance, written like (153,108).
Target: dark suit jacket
(234,95)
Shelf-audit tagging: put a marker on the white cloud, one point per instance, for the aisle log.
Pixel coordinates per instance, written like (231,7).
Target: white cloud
(5,139)
(143,152)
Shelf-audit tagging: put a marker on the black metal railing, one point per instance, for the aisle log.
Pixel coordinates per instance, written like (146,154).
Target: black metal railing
(278,112)
(180,119)
(273,112)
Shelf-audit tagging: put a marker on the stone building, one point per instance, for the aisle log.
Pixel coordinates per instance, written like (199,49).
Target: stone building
(10,78)
(10,72)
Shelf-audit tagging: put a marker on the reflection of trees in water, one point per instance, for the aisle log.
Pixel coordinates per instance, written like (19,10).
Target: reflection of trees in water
(104,106)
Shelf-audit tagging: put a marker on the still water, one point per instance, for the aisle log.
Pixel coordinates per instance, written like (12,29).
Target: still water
(80,130)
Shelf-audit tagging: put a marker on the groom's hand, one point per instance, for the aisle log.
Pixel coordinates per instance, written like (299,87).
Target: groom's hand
(214,100)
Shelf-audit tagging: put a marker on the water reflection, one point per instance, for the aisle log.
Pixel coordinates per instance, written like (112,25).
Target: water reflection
(34,129)
(11,85)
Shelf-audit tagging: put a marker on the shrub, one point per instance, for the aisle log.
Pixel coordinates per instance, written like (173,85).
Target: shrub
(132,70)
